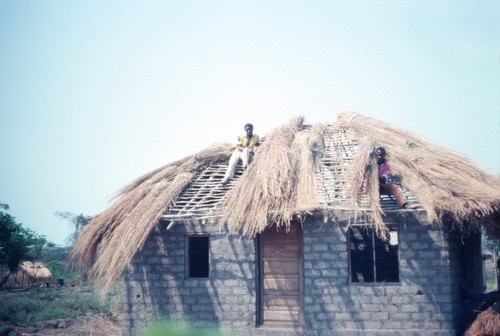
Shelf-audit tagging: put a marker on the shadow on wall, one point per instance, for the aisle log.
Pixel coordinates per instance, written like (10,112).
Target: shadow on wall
(159,286)
(425,298)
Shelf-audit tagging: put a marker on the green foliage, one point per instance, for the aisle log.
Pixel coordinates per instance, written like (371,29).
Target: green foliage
(54,258)
(54,253)
(17,243)
(4,329)
(41,304)
(167,328)
(60,271)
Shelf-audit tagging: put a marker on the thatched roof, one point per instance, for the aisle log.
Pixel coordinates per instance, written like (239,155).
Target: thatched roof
(299,169)
(36,270)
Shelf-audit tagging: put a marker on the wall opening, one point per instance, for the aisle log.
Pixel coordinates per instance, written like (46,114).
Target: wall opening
(197,256)
(371,258)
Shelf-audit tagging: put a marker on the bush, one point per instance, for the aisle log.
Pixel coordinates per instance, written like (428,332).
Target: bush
(50,253)
(60,271)
(167,328)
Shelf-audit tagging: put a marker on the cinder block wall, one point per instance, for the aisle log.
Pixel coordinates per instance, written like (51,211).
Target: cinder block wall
(157,286)
(425,302)
(421,304)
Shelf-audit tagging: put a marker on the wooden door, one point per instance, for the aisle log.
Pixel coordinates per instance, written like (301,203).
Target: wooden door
(281,276)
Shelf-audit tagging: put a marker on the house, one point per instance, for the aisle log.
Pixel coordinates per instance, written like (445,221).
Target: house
(302,242)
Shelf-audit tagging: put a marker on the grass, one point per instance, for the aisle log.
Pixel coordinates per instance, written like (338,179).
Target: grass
(41,304)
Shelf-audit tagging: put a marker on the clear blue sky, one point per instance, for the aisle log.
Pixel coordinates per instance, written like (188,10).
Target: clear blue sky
(96,93)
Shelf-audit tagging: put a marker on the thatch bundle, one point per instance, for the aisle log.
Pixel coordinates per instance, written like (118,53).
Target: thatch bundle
(281,183)
(444,182)
(121,230)
(486,324)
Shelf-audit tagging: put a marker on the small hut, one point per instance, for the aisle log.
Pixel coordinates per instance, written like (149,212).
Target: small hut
(302,242)
(31,274)
(36,273)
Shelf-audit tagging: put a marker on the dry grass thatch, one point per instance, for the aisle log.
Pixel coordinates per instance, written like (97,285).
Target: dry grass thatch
(36,271)
(118,232)
(29,274)
(281,183)
(486,324)
(363,177)
(444,182)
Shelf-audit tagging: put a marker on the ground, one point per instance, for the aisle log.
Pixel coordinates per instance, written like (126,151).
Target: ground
(79,326)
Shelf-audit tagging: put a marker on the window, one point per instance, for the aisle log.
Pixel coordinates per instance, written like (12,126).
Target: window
(373,259)
(197,256)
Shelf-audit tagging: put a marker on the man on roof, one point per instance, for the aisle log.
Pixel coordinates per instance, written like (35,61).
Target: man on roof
(384,176)
(244,151)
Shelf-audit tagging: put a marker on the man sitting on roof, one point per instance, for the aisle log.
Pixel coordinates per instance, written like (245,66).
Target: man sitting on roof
(384,176)
(244,151)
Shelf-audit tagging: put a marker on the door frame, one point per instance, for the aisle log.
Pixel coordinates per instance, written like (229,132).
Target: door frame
(260,276)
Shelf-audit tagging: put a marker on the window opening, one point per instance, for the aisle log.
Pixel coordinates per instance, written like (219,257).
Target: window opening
(198,256)
(373,259)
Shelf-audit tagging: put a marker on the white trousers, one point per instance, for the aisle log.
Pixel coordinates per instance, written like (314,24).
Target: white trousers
(244,155)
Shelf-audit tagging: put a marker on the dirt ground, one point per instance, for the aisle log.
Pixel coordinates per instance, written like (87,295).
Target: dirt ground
(79,326)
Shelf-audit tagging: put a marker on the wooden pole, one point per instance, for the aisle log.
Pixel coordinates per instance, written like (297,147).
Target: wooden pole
(495,258)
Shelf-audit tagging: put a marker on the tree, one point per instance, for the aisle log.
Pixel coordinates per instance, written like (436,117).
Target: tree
(78,222)
(17,244)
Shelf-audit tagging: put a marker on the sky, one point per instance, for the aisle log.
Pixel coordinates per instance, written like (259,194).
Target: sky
(94,94)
